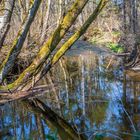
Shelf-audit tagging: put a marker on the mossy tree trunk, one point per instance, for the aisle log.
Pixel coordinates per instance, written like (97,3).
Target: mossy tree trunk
(47,48)
(18,42)
(65,47)
(35,71)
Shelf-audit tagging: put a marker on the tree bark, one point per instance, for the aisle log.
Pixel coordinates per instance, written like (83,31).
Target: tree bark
(64,47)
(35,71)
(124,15)
(45,20)
(5,20)
(18,42)
(46,49)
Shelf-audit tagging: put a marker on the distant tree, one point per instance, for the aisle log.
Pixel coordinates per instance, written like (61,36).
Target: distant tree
(5,20)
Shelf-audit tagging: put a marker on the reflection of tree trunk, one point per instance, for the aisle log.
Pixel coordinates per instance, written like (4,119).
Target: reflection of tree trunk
(124,89)
(55,95)
(14,119)
(127,115)
(135,97)
(65,131)
(40,127)
(66,82)
(83,83)
(22,124)
(83,90)
(90,84)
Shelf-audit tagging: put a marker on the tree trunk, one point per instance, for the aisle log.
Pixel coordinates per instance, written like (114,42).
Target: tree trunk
(60,11)
(47,48)
(124,15)
(45,22)
(35,71)
(5,20)
(18,42)
(64,47)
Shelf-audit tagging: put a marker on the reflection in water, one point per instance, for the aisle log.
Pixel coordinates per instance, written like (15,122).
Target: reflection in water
(90,92)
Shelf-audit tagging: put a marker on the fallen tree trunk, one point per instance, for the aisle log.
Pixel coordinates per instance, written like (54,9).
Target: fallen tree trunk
(6,97)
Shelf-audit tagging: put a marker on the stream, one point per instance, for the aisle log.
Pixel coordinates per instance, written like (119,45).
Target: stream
(89,90)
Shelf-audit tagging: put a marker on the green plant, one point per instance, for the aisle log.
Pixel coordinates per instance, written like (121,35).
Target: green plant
(115,47)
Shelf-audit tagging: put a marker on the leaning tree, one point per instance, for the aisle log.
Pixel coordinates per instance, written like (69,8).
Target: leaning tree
(47,55)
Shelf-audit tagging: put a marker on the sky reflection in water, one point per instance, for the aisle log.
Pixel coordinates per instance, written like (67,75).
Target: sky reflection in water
(88,91)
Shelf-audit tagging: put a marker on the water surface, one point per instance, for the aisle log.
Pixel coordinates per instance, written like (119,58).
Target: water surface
(90,92)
